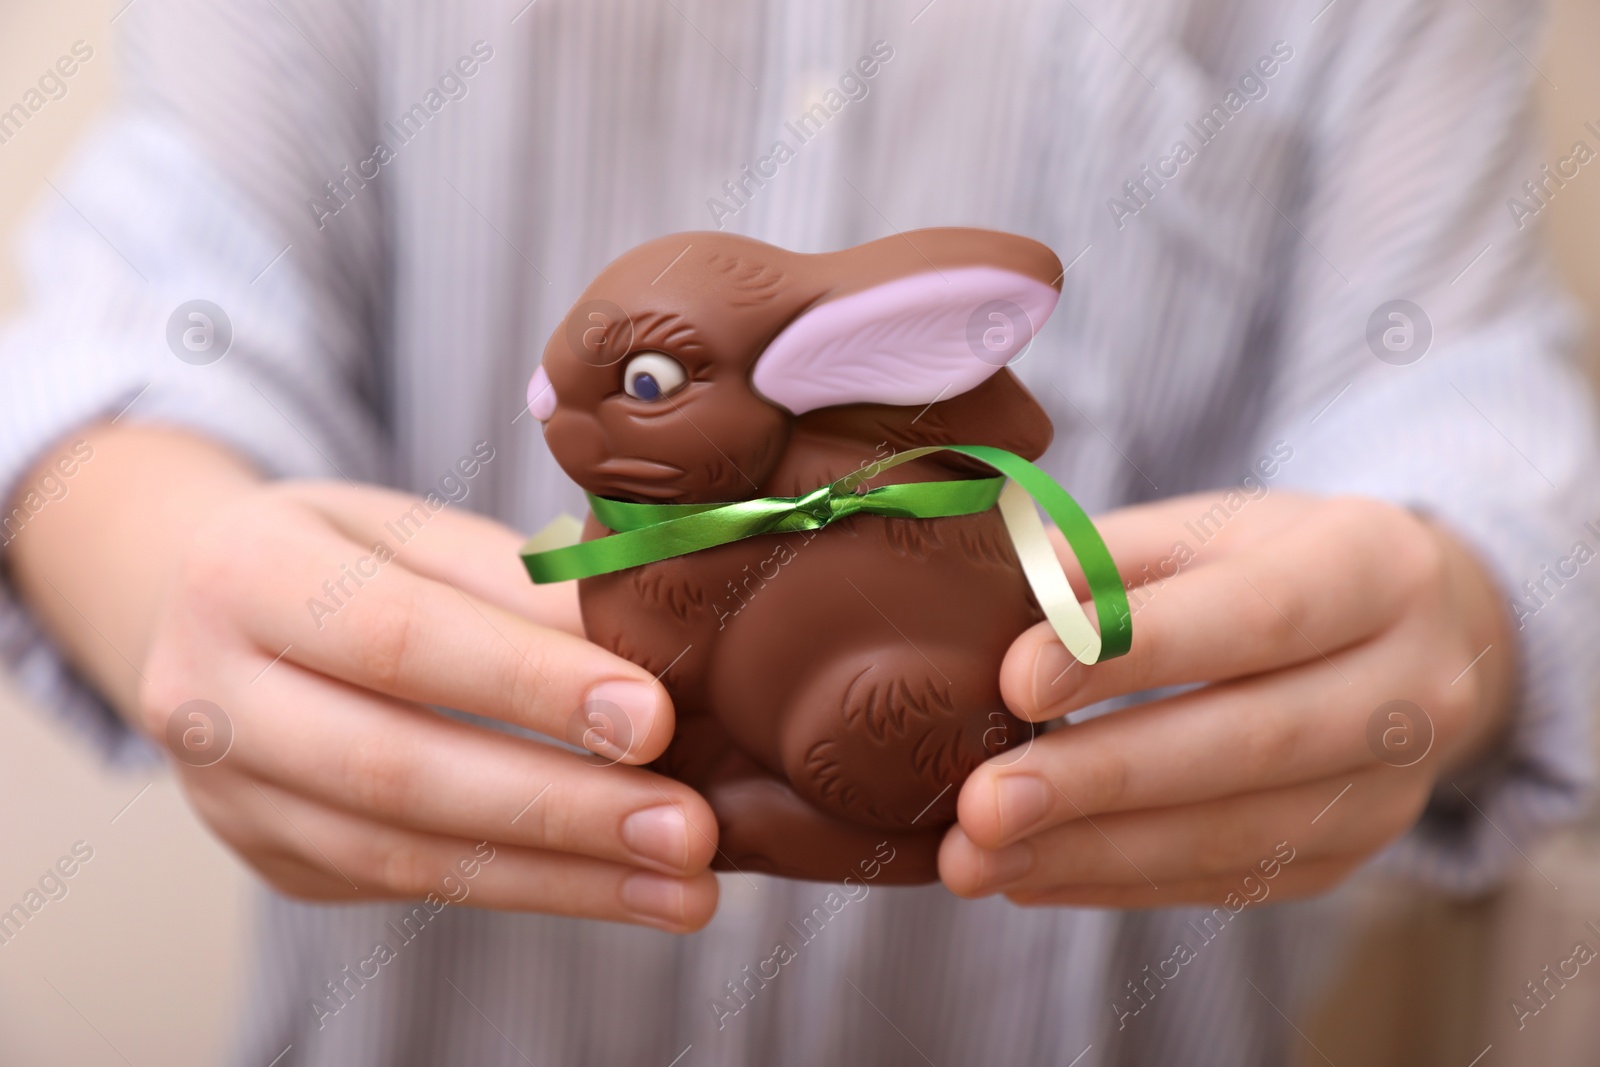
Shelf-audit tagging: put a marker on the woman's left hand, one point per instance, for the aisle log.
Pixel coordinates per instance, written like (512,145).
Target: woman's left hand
(1304,618)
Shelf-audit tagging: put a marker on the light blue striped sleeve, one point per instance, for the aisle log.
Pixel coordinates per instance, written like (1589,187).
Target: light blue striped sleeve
(1424,129)
(141,224)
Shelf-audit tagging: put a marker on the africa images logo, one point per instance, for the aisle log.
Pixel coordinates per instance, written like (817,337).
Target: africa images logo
(1140,191)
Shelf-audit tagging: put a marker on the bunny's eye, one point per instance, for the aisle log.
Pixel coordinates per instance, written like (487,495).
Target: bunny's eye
(653,376)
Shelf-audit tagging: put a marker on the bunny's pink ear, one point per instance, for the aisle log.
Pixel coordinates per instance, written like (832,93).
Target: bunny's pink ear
(541,395)
(913,340)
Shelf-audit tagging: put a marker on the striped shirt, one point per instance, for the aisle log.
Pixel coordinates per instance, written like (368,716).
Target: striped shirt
(395,203)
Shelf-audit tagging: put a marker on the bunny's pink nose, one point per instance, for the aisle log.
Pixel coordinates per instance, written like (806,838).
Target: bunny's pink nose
(541,396)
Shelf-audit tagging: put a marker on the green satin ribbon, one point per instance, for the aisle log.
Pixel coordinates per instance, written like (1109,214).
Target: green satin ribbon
(646,533)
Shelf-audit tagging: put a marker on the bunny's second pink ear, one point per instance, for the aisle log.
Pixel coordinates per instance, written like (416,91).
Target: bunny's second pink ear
(913,340)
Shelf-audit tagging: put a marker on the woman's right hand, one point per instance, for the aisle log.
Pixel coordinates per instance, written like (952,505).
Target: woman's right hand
(341,781)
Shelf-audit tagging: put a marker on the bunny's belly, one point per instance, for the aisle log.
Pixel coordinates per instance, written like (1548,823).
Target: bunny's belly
(878,644)
(855,667)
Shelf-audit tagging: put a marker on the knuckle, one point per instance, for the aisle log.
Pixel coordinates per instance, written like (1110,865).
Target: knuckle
(557,816)
(228,554)
(385,632)
(379,778)
(158,696)
(212,572)
(1366,519)
(406,868)
(170,678)
(1420,557)
(1398,541)
(231,544)
(1268,749)
(1225,846)
(1105,782)
(1283,613)
(1142,665)
(528,684)
(1450,705)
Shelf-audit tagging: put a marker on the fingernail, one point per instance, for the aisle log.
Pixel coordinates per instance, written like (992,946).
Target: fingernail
(1055,675)
(1021,800)
(655,899)
(612,735)
(659,835)
(1004,866)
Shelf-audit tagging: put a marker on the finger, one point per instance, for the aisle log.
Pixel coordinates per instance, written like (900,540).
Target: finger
(378,626)
(1203,522)
(1281,604)
(419,770)
(1239,737)
(1333,817)
(1152,542)
(1233,893)
(448,544)
(341,856)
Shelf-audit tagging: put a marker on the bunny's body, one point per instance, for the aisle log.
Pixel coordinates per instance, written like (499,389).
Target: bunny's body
(833,688)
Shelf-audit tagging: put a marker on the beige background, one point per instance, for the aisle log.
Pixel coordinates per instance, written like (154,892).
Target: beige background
(143,961)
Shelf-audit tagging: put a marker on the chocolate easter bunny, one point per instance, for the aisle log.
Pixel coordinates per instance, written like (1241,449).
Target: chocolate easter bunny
(834,687)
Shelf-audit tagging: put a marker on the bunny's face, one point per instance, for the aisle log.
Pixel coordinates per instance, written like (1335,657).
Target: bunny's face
(680,372)
(645,387)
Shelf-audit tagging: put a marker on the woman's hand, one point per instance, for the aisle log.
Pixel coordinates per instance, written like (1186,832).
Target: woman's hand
(325,620)
(1302,617)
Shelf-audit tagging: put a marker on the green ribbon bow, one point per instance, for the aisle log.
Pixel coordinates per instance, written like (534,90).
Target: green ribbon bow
(646,533)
